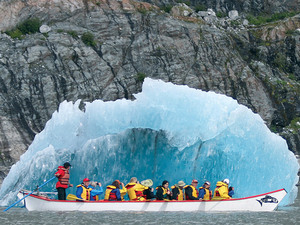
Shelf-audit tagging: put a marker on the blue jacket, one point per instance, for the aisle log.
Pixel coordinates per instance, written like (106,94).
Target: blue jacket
(95,192)
(80,190)
(202,192)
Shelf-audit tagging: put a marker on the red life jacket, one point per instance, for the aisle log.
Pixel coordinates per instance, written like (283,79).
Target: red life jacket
(217,193)
(63,179)
(139,194)
(112,196)
(109,194)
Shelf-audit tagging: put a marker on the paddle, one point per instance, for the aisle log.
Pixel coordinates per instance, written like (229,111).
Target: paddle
(74,197)
(28,194)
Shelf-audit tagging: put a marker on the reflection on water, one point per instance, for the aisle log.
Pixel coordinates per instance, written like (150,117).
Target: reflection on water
(284,215)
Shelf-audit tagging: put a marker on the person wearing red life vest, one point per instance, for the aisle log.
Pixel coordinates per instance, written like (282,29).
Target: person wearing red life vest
(63,182)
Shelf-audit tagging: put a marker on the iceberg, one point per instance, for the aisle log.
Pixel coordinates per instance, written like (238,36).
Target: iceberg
(169,132)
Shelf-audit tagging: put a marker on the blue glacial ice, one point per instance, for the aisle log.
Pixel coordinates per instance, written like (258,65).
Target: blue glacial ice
(168,132)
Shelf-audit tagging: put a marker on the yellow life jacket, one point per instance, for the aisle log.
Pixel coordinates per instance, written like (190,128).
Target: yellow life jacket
(180,195)
(221,191)
(123,192)
(109,188)
(130,191)
(139,192)
(135,191)
(207,195)
(165,191)
(86,192)
(194,192)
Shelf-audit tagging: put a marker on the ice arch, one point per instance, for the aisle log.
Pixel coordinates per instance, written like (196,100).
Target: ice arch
(168,132)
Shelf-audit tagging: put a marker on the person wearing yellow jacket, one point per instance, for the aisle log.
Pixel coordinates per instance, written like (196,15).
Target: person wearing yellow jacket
(135,190)
(163,192)
(205,192)
(83,190)
(221,191)
(191,191)
(177,191)
(113,192)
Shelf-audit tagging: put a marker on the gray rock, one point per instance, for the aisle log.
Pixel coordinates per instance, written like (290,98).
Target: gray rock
(181,9)
(255,7)
(45,29)
(245,22)
(211,12)
(233,14)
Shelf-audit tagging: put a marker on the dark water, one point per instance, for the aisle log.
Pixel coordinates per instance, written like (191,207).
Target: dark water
(285,215)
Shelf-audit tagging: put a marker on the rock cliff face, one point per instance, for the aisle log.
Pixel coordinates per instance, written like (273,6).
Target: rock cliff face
(258,66)
(244,6)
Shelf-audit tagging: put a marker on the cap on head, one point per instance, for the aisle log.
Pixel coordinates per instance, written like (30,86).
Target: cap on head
(195,181)
(226,181)
(86,179)
(181,183)
(207,182)
(67,164)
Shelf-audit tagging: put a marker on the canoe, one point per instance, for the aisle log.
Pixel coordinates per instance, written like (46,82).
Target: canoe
(263,202)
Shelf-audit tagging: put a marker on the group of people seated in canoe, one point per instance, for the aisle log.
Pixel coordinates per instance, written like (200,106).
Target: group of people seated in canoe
(141,191)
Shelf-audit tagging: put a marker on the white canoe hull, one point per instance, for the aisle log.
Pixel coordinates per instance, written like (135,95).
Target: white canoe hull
(264,202)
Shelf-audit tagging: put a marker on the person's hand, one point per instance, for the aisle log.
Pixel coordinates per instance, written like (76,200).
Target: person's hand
(152,189)
(122,184)
(99,184)
(70,185)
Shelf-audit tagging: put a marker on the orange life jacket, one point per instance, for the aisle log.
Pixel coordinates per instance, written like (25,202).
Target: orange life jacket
(65,178)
